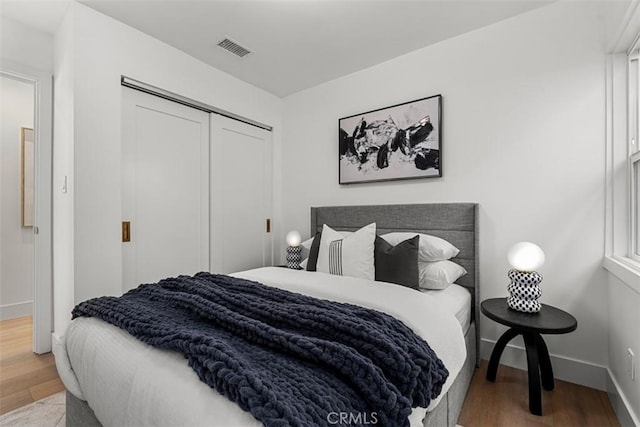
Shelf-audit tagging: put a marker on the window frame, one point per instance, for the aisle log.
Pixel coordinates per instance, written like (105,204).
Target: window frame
(634,203)
(633,149)
(619,193)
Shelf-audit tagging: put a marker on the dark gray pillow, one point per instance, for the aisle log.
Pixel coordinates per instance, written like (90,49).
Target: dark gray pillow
(397,264)
(313,252)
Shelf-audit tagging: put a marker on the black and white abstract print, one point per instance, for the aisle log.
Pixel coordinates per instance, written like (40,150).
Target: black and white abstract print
(398,142)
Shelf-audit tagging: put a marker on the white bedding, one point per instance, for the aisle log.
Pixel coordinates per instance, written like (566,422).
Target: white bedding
(129,383)
(455,299)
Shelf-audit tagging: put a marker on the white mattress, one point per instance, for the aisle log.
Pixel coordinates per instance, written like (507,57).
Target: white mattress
(455,299)
(129,383)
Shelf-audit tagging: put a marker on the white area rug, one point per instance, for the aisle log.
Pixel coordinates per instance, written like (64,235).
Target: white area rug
(48,412)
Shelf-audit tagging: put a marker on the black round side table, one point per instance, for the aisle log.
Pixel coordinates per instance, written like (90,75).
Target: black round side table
(549,320)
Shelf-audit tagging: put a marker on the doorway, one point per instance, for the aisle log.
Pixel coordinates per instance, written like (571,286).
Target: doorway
(16,191)
(25,214)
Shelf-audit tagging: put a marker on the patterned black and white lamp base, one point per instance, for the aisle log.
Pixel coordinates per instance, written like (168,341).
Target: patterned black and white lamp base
(525,291)
(294,256)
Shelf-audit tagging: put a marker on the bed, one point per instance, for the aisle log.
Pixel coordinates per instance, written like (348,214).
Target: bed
(96,394)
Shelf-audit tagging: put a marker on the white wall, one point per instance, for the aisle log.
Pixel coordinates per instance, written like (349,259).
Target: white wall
(103,50)
(63,230)
(16,248)
(523,108)
(624,318)
(25,45)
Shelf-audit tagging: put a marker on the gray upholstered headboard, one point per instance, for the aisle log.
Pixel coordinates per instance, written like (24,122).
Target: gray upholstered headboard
(454,222)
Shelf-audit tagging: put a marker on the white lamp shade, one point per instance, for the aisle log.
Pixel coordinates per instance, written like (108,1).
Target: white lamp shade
(526,256)
(294,238)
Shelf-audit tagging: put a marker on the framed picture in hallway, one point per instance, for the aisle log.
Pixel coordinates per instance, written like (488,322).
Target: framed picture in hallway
(403,141)
(27,175)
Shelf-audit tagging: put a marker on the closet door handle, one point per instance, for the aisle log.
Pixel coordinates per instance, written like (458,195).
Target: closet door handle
(268,225)
(126,231)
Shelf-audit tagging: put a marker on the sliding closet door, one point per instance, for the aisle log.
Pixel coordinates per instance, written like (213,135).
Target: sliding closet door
(241,176)
(165,189)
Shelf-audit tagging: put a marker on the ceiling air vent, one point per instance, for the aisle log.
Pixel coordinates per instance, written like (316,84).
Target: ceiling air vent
(234,47)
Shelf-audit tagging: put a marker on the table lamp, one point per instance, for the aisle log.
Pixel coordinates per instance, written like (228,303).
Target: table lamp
(294,250)
(524,289)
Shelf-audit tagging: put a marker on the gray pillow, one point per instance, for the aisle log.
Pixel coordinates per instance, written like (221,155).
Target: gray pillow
(398,264)
(313,252)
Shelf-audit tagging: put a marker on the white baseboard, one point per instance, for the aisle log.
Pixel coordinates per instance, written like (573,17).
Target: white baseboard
(564,368)
(620,404)
(19,309)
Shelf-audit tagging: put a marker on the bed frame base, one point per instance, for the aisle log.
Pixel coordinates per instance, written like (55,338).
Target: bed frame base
(448,410)
(79,414)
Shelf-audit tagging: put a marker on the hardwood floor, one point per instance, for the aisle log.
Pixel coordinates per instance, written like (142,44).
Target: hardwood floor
(506,403)
(24,376)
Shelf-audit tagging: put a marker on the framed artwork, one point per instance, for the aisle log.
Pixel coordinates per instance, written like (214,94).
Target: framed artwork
(403,141)
(27,175)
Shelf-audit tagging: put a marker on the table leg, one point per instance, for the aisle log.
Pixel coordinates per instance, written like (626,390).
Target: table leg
(497,352)
(546,371)
(533,370)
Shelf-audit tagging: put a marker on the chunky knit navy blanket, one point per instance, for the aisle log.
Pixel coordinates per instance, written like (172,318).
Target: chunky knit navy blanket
(288,359)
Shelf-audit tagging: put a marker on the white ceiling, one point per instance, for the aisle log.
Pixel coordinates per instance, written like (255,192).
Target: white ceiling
(296,44)
(44,15)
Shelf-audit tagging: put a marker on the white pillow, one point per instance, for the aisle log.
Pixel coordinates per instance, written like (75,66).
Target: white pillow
(351,255)
(307,243)
(439,274)
(306,247)
(431,248)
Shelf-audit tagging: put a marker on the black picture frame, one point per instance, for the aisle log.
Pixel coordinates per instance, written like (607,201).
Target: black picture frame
(402,141)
